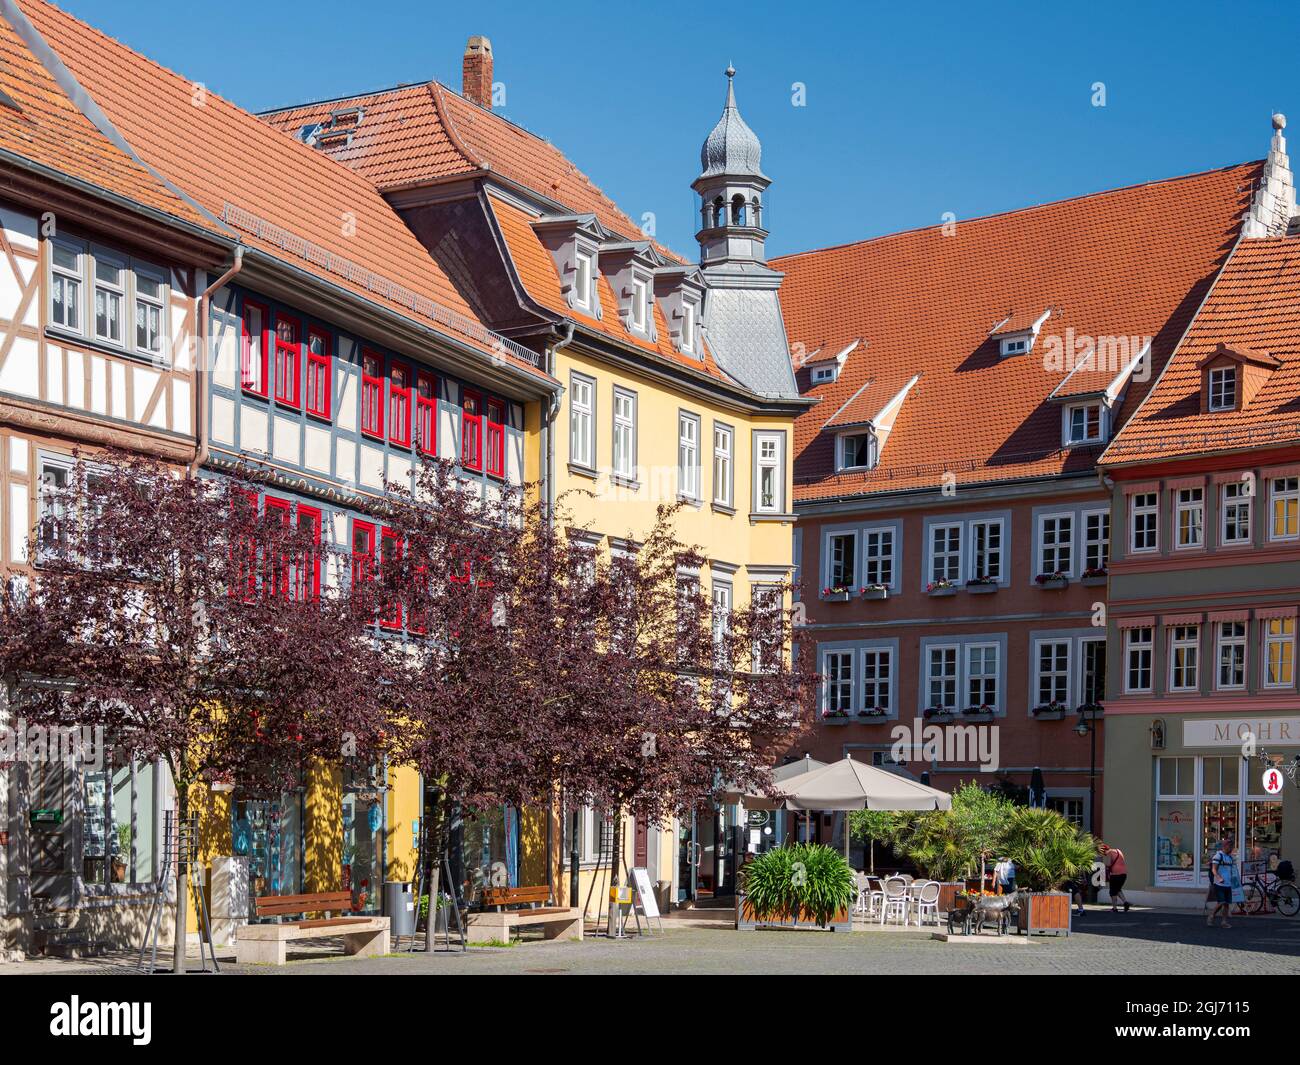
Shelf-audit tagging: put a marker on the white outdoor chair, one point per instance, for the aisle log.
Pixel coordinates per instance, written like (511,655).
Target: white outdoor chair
(863,904)
(926,902)
(913,897)
(875,895)
(895,901)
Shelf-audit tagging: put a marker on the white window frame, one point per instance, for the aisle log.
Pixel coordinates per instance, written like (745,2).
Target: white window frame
(688,456)
(1100,545)
(943,649)
(1184,640)
(1059,547)
(624,443)
(688,326)
(1060,673)
(1070,438)
(1289,496)
(774,465)
(881,560)
(75,277)
(157,304)
(851,536)
(951,553)
(1145,510)
(984,526)
(1236,644)
(838,686)
(582,420)
(724,464)
(970,676)
(1285,640)
(876,655)
(1189,502)
(639,311)
(1014,346)
(822,374)
(1241,498)
(1133,646)
(872,451)
(1223,383)
(584,279)
(119,292)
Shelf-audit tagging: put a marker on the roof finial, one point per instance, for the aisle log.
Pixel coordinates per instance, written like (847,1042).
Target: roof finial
(730,71)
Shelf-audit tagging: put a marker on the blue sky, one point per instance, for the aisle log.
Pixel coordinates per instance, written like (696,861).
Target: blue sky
(912,110)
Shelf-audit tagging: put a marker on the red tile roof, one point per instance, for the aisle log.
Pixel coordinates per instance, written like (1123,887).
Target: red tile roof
(541,280)
(49,130)
(220,154)
(1132,262)
(868,403)
(1255,304)
(418,134)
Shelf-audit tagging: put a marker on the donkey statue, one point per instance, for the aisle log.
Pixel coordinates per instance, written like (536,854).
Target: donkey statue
(995,908)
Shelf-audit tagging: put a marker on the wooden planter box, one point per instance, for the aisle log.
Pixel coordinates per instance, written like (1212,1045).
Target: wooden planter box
(936,593)
(947,893)
(1046,913)
(1054,585)
(748,920)
(875,593)
(980,588)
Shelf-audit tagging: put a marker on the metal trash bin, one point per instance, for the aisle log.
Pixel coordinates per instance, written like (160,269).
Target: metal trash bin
(399,907)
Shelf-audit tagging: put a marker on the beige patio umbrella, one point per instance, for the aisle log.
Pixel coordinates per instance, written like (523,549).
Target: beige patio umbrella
(851,785)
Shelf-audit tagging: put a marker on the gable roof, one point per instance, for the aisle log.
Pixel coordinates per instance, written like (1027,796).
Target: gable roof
(421,134)
(287,200)
(48,129)
(1128,263)
(1255,304)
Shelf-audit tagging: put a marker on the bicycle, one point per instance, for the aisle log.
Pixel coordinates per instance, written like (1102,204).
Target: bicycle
(1263,890)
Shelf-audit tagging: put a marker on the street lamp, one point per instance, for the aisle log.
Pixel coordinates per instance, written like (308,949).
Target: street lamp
(1089,728)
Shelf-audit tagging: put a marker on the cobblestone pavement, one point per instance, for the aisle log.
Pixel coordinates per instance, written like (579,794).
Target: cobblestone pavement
(1141,942)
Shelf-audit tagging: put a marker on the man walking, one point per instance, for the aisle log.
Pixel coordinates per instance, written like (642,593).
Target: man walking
(1116,875)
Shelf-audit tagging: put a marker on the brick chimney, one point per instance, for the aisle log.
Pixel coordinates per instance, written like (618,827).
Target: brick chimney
(476,72)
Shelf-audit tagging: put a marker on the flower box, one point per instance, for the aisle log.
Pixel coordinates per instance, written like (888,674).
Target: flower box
(1098,581)
(1049,711)
(981,587)
(1052,581)
(977,713)
(937,590)
(836,595)
(938,713)
(875,713)
(835,717)
(1091,711)
(875,591)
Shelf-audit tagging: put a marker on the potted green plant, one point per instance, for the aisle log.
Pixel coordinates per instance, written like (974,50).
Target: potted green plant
(808,885)
(120,854)
(1048,851)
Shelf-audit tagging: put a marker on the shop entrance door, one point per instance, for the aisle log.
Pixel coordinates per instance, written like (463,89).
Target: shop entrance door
(688,860)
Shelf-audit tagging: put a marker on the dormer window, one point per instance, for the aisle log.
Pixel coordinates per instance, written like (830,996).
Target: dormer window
(858,451)
(1223,388)
(640,304)
(688,327)
(822,374)
(1015,346)
(1017,332)
(1084,423)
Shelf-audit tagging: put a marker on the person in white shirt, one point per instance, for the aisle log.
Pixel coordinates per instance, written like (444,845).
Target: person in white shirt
(1004,876)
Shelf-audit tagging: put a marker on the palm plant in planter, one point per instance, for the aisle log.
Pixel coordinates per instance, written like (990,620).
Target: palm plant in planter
(1048,851)
(804,885)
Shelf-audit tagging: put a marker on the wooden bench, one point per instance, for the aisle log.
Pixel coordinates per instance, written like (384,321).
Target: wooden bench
(266,943)
(558,922)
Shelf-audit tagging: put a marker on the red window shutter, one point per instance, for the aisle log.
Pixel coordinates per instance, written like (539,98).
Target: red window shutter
(399,405)
(372,394)
(253,345)
(471,431)
(319,377)
(288,361)
(426,413)
(496,438)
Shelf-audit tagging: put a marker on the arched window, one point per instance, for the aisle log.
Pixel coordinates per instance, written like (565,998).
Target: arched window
(719,212)
(738,210)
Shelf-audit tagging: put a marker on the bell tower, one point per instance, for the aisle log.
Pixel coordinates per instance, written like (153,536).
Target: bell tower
(731,186)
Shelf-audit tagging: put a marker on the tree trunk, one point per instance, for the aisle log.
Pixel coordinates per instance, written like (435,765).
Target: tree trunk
(182,874)
(872,845)
(616,869)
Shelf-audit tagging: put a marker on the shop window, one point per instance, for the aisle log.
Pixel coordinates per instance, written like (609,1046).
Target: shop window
(118,839)
(268,832)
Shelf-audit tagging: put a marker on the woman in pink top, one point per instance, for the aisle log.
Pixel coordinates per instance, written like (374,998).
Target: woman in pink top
(1116,874)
